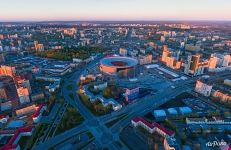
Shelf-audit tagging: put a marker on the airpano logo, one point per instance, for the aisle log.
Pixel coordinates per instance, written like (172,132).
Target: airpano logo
(216,143)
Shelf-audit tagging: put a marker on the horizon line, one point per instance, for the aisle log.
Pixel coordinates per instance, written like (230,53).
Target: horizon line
(164,20)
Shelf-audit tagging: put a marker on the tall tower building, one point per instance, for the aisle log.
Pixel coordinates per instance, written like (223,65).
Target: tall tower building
(165,53)
(226,60)
(123,51)
(7,71)
(194,62)
(193,65)
(212,62)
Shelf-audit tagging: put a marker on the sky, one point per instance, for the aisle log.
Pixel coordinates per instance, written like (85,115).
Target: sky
(114,10)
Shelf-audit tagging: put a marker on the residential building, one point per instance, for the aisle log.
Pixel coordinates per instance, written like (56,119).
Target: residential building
(131,94)
(203,88)
(212,62)
(12,143)
(100,86)
(170,143)
(193,66)
(151,127)
(7,71)
(143,60)
(224,97)
(123,51)
(23,94)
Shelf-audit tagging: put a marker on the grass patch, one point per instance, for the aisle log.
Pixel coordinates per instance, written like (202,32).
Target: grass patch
(70,119)
(71,95)
(86,144)
(169,124)
(119,144)
(70,87)
(90,135)
(23,141)
(39,131)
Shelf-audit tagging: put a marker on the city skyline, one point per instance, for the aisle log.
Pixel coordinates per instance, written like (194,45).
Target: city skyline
(121,10)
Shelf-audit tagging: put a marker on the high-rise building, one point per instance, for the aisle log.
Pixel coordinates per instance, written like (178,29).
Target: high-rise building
(203,88)
(223,60)
(212,62)
(193,66)
(173,63)
(162,39)
(2,58)
(1,37)
(123,51)
(226,60)
(7,71)
(195,60)
(38,47)
(70,32)
(169,60)
(165,53)
(143,60)
(8,91)
(3,92)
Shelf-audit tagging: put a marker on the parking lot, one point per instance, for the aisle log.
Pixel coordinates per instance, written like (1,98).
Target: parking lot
(198,105)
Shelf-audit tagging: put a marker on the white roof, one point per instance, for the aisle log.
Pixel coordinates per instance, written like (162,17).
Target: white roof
(172,111)
(159,113)
(185,110)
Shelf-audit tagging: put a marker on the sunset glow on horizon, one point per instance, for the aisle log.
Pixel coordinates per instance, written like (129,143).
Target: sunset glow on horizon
(28,10)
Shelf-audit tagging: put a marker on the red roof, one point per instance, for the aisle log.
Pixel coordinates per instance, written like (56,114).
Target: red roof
(3,116)
(10,144)
(153,125)
(37,112)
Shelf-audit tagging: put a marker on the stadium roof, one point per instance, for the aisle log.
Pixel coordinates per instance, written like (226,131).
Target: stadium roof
(119,62)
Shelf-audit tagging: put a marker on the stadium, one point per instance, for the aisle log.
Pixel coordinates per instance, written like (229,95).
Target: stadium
(119,66)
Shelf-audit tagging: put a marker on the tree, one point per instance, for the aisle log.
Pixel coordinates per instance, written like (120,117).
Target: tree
(107,92)
(227,114)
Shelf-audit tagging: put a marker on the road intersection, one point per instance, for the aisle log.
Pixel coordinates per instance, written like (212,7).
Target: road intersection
(104,136)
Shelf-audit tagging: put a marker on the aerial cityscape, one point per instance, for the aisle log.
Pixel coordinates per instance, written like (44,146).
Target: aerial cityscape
(152,76)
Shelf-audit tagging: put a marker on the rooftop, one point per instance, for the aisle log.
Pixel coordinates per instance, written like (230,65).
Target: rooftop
(152,125)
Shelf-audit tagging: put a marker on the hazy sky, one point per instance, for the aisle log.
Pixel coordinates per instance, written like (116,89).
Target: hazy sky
(41,10)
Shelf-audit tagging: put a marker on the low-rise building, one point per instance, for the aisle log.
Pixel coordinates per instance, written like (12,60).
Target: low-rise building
(204,120)
(12,143)
(227,82)
(222,96)
(28,110)
(170,143)
(151,127)
(159,114)
(185,110)
(4,119)
(131,94)
(52,87)
(115,105)
(37,96)
(143,60)
(100,86)
(23,94)
(38,113)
